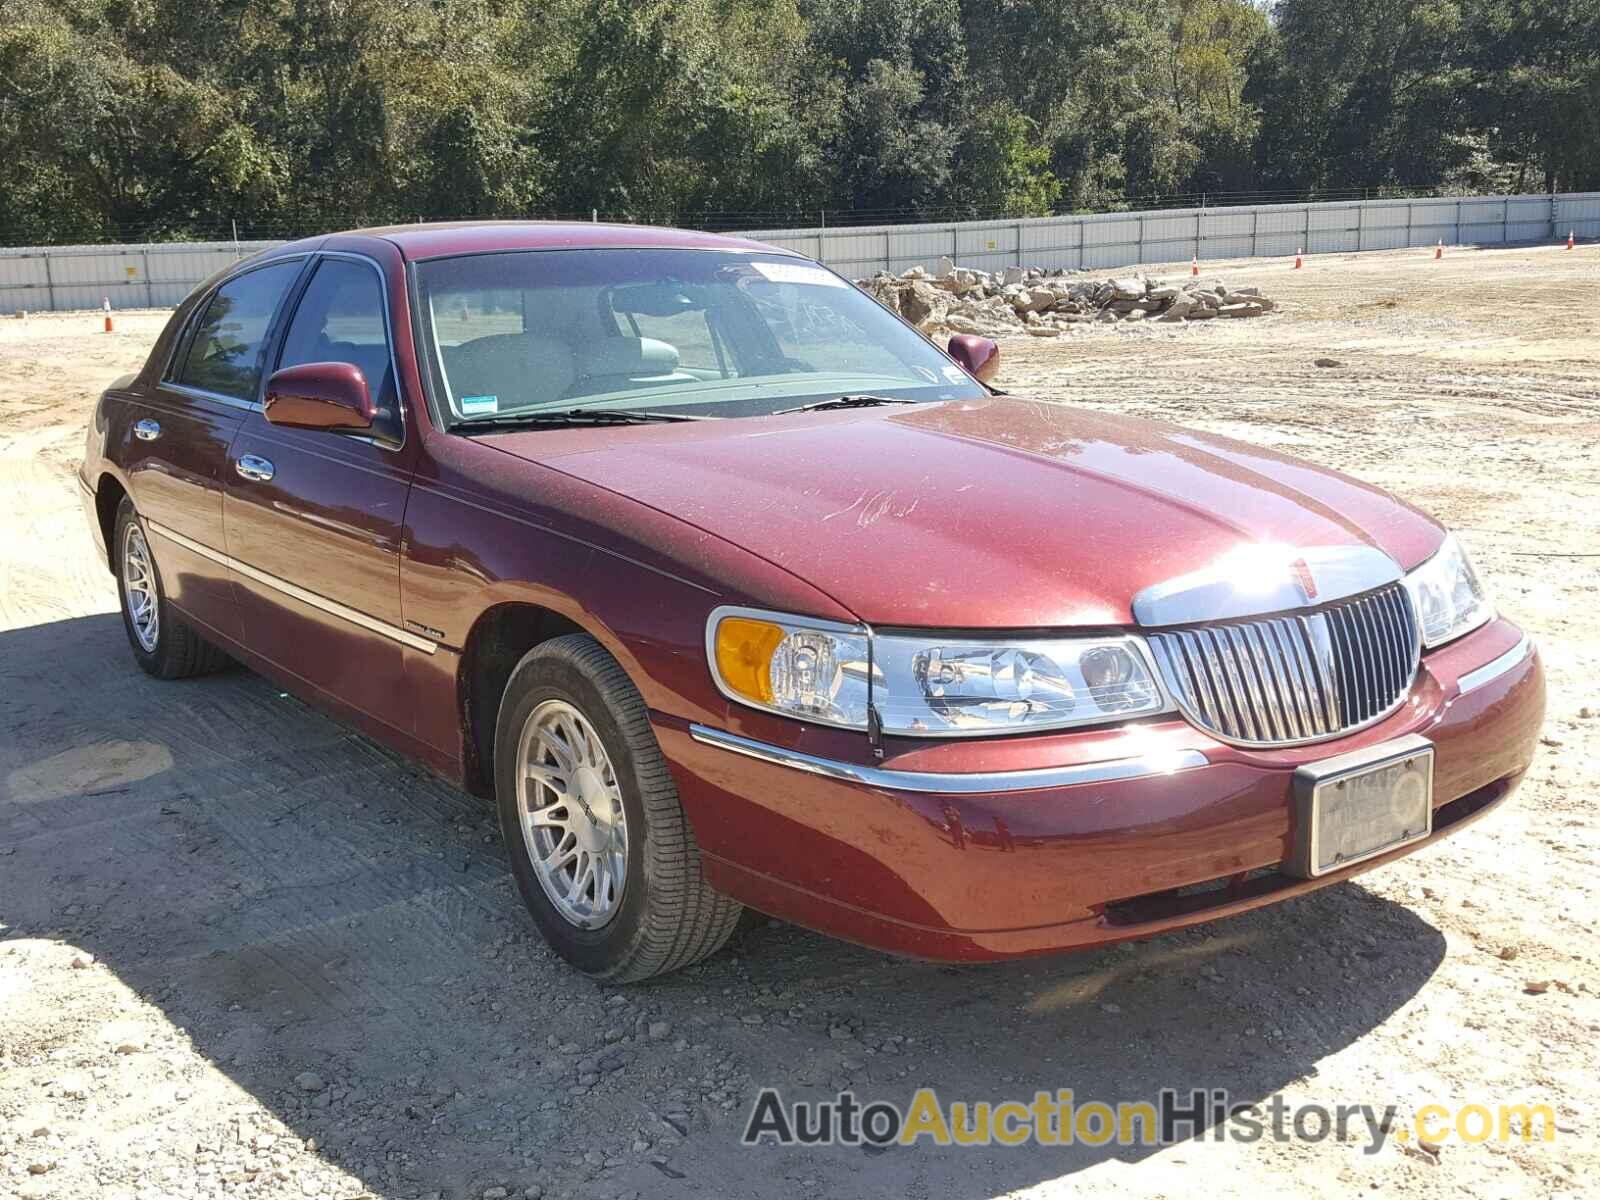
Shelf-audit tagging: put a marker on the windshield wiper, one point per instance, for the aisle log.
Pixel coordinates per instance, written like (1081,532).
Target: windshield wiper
(573,416)
(859,400)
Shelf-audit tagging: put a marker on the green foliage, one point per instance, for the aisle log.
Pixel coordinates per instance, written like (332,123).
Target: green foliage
(153,118)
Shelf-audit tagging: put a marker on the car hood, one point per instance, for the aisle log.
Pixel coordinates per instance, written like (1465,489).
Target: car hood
(993,513)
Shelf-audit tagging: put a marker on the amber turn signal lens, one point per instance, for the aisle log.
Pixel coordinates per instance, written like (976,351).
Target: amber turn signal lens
(744,656)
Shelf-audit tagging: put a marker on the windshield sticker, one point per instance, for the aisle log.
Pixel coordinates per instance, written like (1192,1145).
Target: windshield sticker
(474,406)
(798,273)
(955,374)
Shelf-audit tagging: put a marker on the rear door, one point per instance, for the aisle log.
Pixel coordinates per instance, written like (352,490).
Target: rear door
(177,443)
(314,517)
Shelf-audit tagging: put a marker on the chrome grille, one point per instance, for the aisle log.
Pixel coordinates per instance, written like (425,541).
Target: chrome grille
(1299,677)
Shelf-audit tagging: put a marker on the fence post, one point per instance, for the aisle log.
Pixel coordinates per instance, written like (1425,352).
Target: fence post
(1553,233)
(886,265)
(149,288)
(1019,243)
(1357,209)
(1255,224)
(50,283)
(1408,224)
(1305,233)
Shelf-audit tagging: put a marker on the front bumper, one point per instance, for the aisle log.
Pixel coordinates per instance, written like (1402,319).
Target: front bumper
(977,851)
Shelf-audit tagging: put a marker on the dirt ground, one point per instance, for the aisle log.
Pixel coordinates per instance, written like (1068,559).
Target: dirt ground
(243,951)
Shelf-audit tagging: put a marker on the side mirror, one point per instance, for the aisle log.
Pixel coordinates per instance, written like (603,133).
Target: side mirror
(323,395)
(979,355)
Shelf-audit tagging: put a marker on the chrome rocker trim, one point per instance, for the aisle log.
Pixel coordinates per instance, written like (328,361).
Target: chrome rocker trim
(1496,667)
(952,784)
(332,607)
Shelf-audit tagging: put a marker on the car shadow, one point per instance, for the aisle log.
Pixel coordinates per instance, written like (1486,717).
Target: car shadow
(294,897)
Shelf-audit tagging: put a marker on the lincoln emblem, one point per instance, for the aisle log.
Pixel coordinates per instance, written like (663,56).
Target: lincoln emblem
(1303,576)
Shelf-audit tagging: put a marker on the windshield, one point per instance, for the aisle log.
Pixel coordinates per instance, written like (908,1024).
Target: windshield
(688,332)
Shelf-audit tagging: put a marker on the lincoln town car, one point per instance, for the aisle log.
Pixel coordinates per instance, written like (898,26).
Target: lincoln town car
(733,591)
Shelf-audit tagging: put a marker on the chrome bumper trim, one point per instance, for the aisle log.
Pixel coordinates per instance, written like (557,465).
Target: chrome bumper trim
(333,607)
(952,784)
(1496,667)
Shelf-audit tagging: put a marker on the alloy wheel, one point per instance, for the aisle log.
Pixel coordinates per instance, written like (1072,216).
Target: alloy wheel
(570,803)
(139,587)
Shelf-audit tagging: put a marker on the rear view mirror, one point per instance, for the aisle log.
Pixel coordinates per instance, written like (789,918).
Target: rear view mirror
(323,395)
(653,300)
(979,355)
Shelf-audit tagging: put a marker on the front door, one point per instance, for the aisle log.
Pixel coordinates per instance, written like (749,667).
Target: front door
(314,517)
(178,440)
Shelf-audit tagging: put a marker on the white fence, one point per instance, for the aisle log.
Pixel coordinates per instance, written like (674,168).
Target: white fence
(1174,235)
(158,275)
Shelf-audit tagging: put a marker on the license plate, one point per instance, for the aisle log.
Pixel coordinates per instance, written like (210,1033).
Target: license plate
(1362,804)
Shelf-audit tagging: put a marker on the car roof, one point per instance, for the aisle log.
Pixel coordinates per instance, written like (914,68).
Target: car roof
(442,239)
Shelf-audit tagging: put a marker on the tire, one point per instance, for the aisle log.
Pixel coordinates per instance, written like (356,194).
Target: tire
(164,647)
(569,692)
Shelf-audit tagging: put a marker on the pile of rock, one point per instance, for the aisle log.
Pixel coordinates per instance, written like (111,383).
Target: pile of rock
(1046,304)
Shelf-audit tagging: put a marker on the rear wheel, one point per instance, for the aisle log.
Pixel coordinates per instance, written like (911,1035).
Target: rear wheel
(162,644)
(600,847)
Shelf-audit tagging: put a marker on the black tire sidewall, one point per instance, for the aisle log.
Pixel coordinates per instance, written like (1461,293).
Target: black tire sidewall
(555,677)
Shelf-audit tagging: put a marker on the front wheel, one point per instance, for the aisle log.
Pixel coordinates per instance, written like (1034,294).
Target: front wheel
(600,847)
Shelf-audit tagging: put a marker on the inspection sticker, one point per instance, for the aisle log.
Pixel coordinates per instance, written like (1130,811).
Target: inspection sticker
(798,273)
(473,406)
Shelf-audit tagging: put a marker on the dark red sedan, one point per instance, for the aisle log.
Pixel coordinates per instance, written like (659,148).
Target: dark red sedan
(732,589)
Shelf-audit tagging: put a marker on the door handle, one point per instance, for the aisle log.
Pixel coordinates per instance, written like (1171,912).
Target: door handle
(147,430)
(254,467)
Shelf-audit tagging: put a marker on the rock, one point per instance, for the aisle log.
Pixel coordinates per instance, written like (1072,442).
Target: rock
(130,1047)
(496,1193)
(660,1031)
(309,1081)
(1508,953)
(1180,308)
(1240,310)
(1328,362)
(1248,298)
(41,1166)
(1129,287)
(1040,299)
(1536,987)
(947,266)
(1013,275)
(923,303)
(80,961)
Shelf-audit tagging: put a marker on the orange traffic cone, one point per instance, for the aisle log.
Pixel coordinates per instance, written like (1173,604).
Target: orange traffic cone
(1438,251)
(1194,265)
(1298,261)
(1569,239)
(105,304)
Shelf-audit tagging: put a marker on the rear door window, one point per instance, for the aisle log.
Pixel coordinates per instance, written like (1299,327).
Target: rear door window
(225,353)
(340,318)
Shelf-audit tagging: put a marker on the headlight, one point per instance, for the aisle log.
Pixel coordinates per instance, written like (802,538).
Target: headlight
(1445,592)
(928,685)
